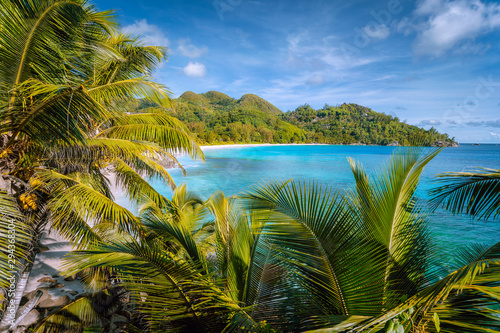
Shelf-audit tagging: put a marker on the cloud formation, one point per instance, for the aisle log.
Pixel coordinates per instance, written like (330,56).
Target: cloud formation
(429,122)
(150,33)
(195,69)
(377,31)
(491,123)
(443,25)
(189,50)
(474,123)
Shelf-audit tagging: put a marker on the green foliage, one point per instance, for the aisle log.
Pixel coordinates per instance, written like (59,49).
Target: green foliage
(352,123)
(66,75)
(475,192)
(216,118)
(294,255)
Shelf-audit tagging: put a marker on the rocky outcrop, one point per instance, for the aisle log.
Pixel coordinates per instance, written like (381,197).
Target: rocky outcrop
(394,144)
(440,143)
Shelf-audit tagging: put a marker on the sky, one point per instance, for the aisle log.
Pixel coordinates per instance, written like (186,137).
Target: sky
(428,62)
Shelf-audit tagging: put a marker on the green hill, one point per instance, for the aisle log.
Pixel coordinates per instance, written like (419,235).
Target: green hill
(353,123)
(254,102)
(216,118)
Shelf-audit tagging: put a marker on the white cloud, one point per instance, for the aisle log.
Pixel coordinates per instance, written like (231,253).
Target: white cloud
(195,69)
(429,122)
(189,50)
(496,135)
(317,56)
(377,31)
(150,33)
(445,25)
(316,80)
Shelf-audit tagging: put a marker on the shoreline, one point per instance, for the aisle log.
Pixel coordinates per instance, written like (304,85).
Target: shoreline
(247,145)
(244,145)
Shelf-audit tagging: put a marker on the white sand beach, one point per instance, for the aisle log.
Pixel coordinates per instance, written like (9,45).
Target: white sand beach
(244,145)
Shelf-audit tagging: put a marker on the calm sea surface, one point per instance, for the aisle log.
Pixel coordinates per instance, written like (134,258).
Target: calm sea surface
(234,170)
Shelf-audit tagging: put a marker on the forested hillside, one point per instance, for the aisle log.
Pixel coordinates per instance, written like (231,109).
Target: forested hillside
(352,123)
(216,118)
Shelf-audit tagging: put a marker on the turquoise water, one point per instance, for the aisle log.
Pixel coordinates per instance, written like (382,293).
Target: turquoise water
(234,170)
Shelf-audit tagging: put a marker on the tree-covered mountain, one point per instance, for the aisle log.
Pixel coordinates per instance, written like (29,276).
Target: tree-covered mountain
(353,123)
(216,118)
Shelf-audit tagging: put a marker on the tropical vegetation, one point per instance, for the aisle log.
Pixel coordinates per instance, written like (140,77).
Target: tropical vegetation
(64,70)
(216,118)
(284,256)
(293,256)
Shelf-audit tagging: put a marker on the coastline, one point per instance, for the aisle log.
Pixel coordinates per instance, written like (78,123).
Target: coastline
(244,145)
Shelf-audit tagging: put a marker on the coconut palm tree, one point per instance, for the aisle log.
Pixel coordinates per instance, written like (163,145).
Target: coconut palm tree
(166,267)
(63,71)
(299,256)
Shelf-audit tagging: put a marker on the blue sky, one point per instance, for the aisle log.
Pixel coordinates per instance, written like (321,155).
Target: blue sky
(429,62)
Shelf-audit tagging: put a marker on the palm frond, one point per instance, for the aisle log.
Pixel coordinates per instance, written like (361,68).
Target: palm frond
(319,240)
(171,139)
(34,33)
(141,87)
(395,220)
(136,187)
(465,299)
(475,192)
(170,292)
(74,317)
(45,112)
(84,201)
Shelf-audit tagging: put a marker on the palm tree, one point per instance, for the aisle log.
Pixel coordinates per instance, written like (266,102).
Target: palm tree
(166,268)
(63,71)
(299,256)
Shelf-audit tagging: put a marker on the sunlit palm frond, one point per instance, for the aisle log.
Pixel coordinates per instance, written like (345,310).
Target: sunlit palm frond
(141,87)
(155,118)
(45,112)
(318,239)
(137,188)
(171,139)
(167,228)
(70,195)
(34,33)
(170,292)
(137,59)
(393,218)
(234,240)
(475,192)
(74,317)
(465,300)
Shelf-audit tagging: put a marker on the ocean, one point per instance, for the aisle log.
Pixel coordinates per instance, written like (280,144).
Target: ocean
(236,169)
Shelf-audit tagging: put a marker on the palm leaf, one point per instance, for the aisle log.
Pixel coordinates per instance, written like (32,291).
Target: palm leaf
(84,201)
(319,240)
(475,192)
(464,299)
(73,317)
(169,291)
(395,220)
(171,139)
(136,187)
